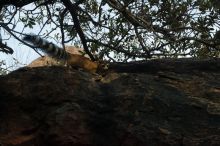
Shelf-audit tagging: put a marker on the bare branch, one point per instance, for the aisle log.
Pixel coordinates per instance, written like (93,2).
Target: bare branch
(6,49)
(72,9)
(62,15)
(9,31)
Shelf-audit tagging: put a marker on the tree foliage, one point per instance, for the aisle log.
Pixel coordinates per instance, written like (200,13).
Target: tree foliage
(120,30)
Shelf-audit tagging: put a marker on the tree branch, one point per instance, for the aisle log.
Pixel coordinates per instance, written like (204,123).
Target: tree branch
(130,54)
(72,9)
(9,31)
(136,21)
(6,49)
(17,3)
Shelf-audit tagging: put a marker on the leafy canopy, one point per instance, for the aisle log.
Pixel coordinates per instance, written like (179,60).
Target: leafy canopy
(120,30)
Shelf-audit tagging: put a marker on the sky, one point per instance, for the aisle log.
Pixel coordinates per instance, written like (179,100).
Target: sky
(22,53)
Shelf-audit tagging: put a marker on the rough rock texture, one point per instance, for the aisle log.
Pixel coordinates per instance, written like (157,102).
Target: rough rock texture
(59,106)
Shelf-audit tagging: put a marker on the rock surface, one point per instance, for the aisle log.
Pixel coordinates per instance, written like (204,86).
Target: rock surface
(59,106)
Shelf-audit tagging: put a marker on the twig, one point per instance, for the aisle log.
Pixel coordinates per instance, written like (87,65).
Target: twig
(9,31)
